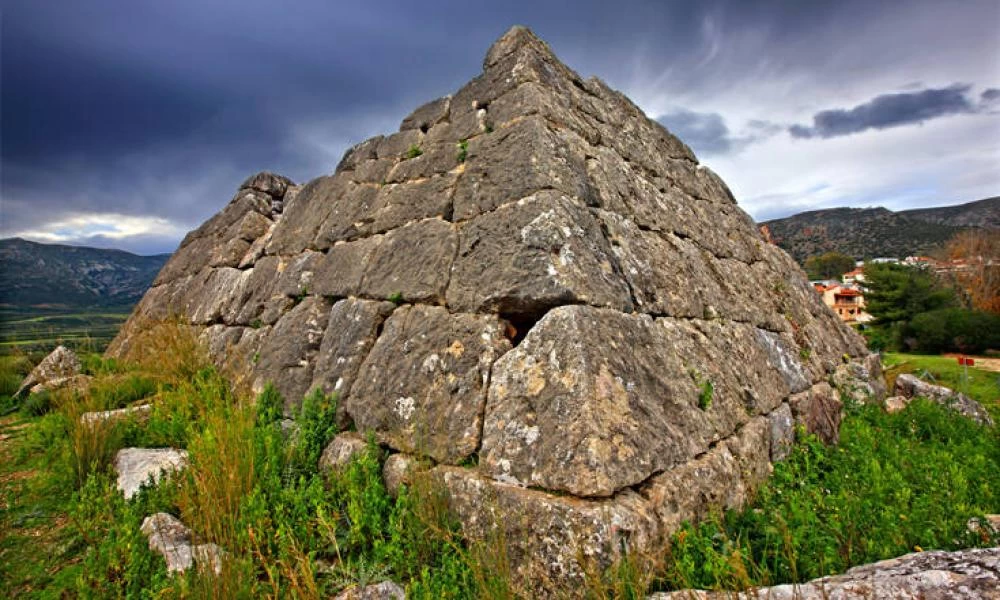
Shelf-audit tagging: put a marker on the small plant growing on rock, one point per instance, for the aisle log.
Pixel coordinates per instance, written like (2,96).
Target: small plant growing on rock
(414,151)
(396,298)
(256,324)
(463,150)
(705,396)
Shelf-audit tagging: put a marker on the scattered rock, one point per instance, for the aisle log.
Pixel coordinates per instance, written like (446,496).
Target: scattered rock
(987,525)
(138,466)
(398,471)
(341,450)
(140,413)
(965,574)
(894,404)
(60,368)
(171,538)
(911,386)
(386,590)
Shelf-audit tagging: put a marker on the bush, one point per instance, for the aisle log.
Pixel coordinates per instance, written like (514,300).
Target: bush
(955,330)
(896,483)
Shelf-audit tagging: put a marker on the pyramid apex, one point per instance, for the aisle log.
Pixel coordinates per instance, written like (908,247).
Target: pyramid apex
(516,38)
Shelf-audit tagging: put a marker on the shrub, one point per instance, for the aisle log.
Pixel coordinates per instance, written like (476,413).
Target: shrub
(955,329)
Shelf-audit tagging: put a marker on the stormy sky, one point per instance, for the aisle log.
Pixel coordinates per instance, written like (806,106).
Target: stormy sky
(126,123)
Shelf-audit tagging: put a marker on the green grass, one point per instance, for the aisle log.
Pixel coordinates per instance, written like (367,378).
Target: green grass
(980,385)
(896,484)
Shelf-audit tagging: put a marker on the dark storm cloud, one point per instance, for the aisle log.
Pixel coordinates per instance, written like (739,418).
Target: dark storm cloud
(708,134)
(160,109)
(889,110)
(990,95)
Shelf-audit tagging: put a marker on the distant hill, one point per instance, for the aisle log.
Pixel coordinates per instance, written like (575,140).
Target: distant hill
(64,277)
(874,232)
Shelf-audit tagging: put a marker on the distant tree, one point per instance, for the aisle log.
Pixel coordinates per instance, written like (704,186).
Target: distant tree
(980,249)
(896,293)
(828,266)
(955,329)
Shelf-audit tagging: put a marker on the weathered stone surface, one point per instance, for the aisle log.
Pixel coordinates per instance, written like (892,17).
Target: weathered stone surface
(351,331)
(515,162)
(782,432)
(339,273)
(138,466)
(413,261)
(306,218)
(964,574)
(819,410)
(422,387)
(852,381)
(550,540)
(286,354)
(542,251)
(402,203)
(399,470)
(169,537)
(341,451)
(269,183)
(593,401)
(911,386)
(428,115)
(75,383)
(61,364)
(222,240)
(386,590)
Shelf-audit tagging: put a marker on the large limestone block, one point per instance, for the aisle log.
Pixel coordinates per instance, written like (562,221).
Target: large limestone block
(552,543)
(333,197)
(286,355)
(402,203)
(593,400)
(588,404)
(413,261)
(515,162)
(542,251)
(339,273)
(351,331)
(720,479)
(422,387)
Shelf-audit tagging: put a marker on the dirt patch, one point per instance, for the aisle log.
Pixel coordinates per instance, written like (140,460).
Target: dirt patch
(982,362)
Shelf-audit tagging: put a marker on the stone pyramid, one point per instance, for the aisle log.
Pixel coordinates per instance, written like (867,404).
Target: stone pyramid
(539,290)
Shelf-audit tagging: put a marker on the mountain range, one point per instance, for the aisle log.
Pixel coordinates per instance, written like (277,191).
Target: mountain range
(61,277)
(876,232)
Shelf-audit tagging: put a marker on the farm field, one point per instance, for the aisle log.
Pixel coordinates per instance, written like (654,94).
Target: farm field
(28,330)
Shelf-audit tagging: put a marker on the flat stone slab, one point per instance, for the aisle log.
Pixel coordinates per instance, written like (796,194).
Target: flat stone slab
(965,574)
(172,539)
(138,466)
(140,412)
